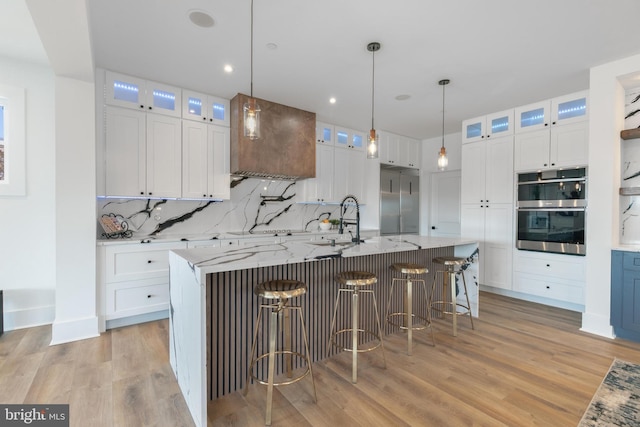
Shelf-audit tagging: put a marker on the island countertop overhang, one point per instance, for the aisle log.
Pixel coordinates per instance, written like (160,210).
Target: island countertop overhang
(213,260)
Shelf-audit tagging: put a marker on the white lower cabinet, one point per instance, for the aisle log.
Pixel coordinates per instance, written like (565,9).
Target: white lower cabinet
(134,278)
(554,276)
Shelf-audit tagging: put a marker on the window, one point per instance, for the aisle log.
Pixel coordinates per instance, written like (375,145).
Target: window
(12,141)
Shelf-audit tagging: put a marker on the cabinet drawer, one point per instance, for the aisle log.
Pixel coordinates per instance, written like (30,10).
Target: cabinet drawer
(561,290)
(135,262)
(631,261)
(123,300)
(560,266)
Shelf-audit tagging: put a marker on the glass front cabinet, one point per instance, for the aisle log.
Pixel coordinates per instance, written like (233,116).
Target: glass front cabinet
(205,108)
(145,95)
(557,111)
(492,125)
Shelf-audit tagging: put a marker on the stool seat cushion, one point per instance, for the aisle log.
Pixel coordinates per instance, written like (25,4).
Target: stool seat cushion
(409,268)
(449,260)
(281,288)
(356,278)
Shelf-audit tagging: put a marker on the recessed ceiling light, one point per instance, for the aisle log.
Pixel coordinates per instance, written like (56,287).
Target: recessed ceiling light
(332,100)
(272,46)
(228,68)
(402,97)
(201,18)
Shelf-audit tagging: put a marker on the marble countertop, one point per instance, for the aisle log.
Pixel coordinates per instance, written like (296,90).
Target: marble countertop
(626,248)
(167,238)
(212,260)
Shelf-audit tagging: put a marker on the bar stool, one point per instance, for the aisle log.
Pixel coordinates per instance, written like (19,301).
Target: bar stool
(353,282)
(409,273)
(451,269)
(279,292)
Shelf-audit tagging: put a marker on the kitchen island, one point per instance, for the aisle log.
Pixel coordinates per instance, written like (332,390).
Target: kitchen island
(213,308)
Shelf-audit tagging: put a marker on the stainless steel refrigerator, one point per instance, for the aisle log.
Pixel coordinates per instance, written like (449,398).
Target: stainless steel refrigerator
(399,200)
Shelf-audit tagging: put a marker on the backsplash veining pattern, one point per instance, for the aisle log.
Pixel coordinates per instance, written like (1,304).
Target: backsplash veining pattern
(255,206)
(630,172)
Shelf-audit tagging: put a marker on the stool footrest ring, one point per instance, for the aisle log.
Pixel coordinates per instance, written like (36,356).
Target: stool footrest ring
(306,372)
(360,350)
(418,327)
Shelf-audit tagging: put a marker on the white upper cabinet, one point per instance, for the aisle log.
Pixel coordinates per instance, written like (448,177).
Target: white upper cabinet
(492,125)
(553,112)
(205,161)
(409,153)
(358,140)
(132,92)
(205,108)
(142,154)
(389,146)
(324,133)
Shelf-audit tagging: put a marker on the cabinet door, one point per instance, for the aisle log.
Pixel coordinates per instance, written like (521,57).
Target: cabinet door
(342,137)
(532,117)
(195,162)
(531,150)
(569,145)
(393,149)
(340,173)
(409,153)
(164,156)
(570,108)
(163,99)
(219,178)
(473,173)
(194,106)
(125,91)
(125,150)
(358,140)
(498,245)
(218,111)
(630,300)
(356,174)
(320,188)
(499,124)
(499,175)
(472,226)
(324,133)
(473,129)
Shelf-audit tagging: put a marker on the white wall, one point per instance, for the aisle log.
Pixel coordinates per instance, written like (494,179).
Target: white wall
(27,225)
(606,120)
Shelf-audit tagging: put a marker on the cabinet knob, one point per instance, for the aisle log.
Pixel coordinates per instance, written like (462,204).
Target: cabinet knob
(148,296)
(210,120)
(433,227)
(548,265)
(548,287)
(553,123)
(141,106)
(150,193)
(546,124)
(553,164)
(149,261)
(142,193)
(150,107)
(488,136)
(545,164)
(204,195)
(211,195)
(482,136)
(204,118)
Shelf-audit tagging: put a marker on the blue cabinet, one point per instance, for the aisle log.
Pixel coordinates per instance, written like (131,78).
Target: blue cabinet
(625,294)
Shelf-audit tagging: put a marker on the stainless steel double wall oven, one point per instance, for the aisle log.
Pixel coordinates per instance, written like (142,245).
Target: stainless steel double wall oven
(551,211)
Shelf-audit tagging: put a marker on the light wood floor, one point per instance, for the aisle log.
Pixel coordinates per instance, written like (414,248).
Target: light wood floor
(524,365)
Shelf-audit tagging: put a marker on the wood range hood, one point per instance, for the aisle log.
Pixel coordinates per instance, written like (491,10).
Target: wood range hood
(286,148)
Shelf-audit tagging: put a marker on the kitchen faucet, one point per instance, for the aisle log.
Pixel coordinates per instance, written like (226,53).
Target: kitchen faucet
(356,239)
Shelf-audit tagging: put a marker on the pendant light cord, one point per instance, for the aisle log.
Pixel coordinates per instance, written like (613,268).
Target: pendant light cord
(373,84)
(251,48)
(443,114)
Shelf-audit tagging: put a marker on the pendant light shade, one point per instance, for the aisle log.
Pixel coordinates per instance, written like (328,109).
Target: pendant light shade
(443,161)
(372,144)
(251,109)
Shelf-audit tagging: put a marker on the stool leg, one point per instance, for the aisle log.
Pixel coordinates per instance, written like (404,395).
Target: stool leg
(253,349)
(333,323)
(375,309)
(466,294)
(287,340)
(393,282)
(306,349)
(354,335)
(454,304)
(409,311)
(428,308)
(272,363)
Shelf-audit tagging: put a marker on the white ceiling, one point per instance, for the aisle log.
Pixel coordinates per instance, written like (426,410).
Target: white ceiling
(497,53)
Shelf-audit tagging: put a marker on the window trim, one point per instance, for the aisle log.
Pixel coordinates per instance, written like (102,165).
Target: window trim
(14,182)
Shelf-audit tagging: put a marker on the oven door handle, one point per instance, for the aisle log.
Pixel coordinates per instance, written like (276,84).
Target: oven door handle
(552,209)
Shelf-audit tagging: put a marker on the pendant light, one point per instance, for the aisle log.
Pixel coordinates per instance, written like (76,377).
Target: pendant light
(443,162)
(372,145)
(251,109)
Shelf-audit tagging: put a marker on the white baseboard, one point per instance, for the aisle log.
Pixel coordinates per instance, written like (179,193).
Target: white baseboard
(140,318)
(533,298)
(74,330)
(597,325)
(29,317)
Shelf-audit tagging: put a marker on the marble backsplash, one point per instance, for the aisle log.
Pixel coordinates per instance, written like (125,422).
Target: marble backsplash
(256,206)
(630,172)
